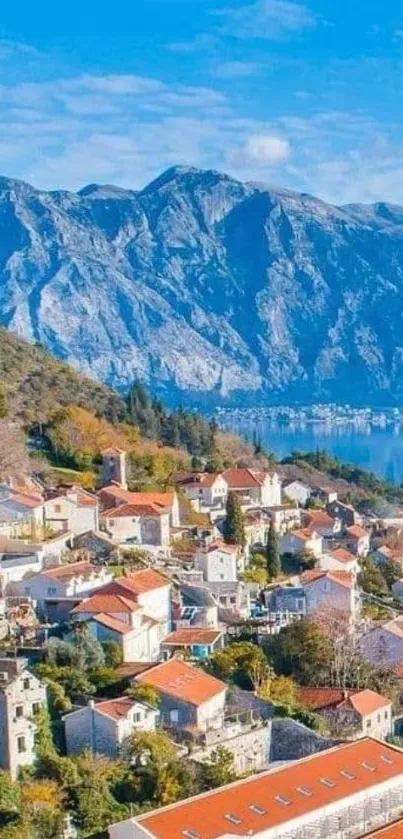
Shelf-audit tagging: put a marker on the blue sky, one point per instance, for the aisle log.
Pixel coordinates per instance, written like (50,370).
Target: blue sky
(306,96)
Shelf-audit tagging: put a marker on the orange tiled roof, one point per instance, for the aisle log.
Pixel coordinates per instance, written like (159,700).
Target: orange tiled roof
(364,702)
(113,493)
(220,546)
(134,510)
(344,578)
(394,831)
(183,681)
(304,534)
(279,796)
(185,637)
(320,518)
(357,531)
(115,624)
(147,579)
(342,555)
(27,500)
(108,603)
(73,569)
(242,478)
(116,709)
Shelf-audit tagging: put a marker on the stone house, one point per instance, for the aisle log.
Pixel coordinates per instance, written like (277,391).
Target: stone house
(284,518)
(339,560)
(297,491)
(104,726)
(284,605)
(254,488)
(358,540)
(330,591)
(384,643)
(21,696)
(344,512)
(218,562)
(57,590)
(71,510)
(320,522)
(203,489)
(114,496)
(296,541)
(138,524)
(351,713)
(190,698)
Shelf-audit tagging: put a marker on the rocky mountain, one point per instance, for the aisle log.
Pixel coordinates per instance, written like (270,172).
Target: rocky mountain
(209,289)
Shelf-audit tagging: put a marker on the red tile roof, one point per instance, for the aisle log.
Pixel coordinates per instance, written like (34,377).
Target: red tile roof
(111,494)
(343,578)
(107,603)
(304,534)
(147,579)
(183,681)
(185,637)
(356,531)
(364,702)
(242,478)
(134,511)
(30,501)
(342,555)
(394,831)
(116,709)
(320,518)
(207,814)
(109,622)
(64,573)
(219,546)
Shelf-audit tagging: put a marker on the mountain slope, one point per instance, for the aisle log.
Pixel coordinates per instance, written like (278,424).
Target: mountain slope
(205,287)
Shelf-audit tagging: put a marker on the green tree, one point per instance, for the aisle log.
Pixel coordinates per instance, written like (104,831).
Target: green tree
(3,403)
(303,651)
(234,524)
(370,577)
(219,769)
(144,693)
(273,562)
(243,663)
(113,653)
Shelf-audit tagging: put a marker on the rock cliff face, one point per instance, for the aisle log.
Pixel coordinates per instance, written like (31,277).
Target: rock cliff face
(209,289)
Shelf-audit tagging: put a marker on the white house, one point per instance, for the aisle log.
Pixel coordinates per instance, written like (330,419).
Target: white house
(339,560)
(115,496)
(358,540)
(21,513)
(296,541)
(73,510)
(345,791)
(330,591)
(217,562)
(351,713)
(322,523)
(285,518)
(149,589)
(103,727)
(203,489)
(254,488)
(21,696)
(138,524)
(297,491)
(189,696)
(67,583)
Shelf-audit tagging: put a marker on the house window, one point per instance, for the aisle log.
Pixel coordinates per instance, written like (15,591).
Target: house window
(111,523)
(19,711)
(21,747)
(137,717)
(27,684)
(57,508)
(369,723)
(386,715)
(35,707)
(379,718)
(174,715)
(52,590)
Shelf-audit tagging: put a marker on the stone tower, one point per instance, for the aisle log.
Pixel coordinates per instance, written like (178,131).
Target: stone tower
(114,467)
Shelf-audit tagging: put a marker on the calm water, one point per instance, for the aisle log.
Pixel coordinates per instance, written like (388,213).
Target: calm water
(377,449)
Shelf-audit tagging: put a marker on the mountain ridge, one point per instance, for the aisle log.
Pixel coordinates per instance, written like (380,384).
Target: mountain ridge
(208,289)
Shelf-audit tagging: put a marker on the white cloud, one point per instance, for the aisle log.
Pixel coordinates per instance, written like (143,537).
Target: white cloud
(267,19)
(266,149)
(236,69)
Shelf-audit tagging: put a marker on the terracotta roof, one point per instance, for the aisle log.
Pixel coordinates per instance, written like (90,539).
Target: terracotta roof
(320,518)
(343,578)
(273,798)
(64,573)
(390,553)
(242,478)
(186,637)
(112,623)
(394,831)
(204,479)
(108,603)
(357,531)
(113,450)
(183,681)
(134,510)
(364,702)
(117,493)
(147,579)
(342,555)
(116,709)
(30,501)
(86,500)
(219,546)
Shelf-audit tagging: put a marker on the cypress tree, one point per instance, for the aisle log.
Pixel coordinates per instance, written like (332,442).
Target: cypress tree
(273,562)
(234,525)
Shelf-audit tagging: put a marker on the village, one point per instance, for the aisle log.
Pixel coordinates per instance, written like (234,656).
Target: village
(208,630)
